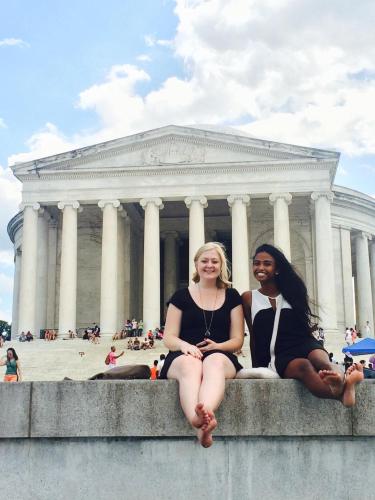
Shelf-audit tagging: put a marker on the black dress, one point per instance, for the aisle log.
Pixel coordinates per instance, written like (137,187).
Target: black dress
(293,339)
(193,326)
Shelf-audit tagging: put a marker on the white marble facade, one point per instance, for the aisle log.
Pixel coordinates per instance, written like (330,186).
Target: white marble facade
(107,232)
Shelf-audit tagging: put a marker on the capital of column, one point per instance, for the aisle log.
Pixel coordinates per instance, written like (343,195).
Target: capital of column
(158,202)
(34,206)
(172,234)
(287,197)
(363,234)
(201,199)
(245,198)
(74,204)
(322,194)
(114,203)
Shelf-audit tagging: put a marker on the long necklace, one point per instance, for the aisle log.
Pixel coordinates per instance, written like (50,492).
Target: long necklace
(207,333)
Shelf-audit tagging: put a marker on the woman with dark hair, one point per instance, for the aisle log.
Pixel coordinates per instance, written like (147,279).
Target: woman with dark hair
(280,322)
(13,371)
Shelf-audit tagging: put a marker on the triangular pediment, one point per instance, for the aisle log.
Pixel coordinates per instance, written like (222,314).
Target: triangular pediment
(173,145)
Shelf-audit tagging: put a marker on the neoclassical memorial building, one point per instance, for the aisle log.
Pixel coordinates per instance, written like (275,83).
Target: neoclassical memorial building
(108,232)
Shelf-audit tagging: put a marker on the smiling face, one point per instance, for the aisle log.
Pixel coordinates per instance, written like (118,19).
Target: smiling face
(264,267)
(208,265)
(10,355)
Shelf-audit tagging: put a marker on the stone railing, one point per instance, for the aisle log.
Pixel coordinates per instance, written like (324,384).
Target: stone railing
(129,439)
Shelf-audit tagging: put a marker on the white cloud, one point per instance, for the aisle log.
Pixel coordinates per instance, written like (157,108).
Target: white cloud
(6,258)
(149,40)
(13,42)
(6,284)
(299,72)
(144,57)
(5,315)
(47,141)
(2,123)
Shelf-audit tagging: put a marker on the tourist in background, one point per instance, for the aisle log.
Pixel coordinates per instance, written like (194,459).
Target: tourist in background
(279,319)
(13,367)
(348,336)
(154,370)
(204,327)
(112,358)
(354,335)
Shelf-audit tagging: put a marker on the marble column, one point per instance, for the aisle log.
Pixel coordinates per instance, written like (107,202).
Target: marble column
(196,206)
(42,273)
(68,268)
(240,243)
(16,292)
(347,275)
(151,267)
(372,264)
(325,262)
(170,263)
(109,267)
(51,285)
(121,256)
(27,316)
(280,202)
(365,311)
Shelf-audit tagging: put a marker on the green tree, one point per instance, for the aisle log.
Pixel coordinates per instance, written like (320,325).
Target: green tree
(4,325)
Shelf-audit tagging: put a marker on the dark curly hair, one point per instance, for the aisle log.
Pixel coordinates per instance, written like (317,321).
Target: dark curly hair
(14,353)
(291,286)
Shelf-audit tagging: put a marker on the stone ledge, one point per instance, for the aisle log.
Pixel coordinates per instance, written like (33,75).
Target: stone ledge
(143,408)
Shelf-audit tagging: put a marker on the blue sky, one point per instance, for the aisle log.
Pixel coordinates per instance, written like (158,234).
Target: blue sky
(77,73)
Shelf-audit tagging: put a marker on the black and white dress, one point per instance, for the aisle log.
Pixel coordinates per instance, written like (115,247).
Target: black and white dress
(193,325)
(292,341)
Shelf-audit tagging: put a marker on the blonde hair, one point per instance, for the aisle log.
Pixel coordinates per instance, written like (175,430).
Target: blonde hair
(223,278)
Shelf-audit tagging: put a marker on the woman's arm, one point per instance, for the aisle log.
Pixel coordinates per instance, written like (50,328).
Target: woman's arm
(3,361)
(246,304)
(171,337)
(19,374)
(236,334)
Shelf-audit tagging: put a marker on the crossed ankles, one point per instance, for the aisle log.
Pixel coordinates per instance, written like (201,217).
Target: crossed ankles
(205,422)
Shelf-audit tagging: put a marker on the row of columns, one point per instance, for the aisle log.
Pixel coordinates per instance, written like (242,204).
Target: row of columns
(151,290)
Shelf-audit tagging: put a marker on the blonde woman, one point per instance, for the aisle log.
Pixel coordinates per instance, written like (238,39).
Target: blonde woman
(204,327)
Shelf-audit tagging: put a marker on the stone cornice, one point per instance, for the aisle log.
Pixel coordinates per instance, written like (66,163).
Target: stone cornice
(172,134)
(186,169)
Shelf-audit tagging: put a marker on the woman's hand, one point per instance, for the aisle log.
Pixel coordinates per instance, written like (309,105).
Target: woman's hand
(191,350)
(207,345)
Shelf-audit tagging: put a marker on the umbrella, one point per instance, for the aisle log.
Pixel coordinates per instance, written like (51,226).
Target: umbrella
(365,346)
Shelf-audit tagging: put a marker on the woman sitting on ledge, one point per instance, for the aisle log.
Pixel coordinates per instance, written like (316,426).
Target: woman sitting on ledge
(204,326)
(279,320)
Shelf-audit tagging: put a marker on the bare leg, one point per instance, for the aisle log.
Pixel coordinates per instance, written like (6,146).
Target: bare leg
(302,369)
(216,369)
(187,370)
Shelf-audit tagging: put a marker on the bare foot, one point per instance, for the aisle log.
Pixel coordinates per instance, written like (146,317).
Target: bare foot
(334,380)
(205,434)
(201,419)
(354,375)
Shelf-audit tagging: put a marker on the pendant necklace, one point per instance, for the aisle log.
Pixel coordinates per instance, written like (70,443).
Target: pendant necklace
(207,333)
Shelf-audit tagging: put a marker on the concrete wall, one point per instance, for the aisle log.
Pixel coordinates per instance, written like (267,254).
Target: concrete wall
(128,439)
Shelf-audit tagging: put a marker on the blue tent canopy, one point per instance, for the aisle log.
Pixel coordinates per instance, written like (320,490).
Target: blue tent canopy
(365,346)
